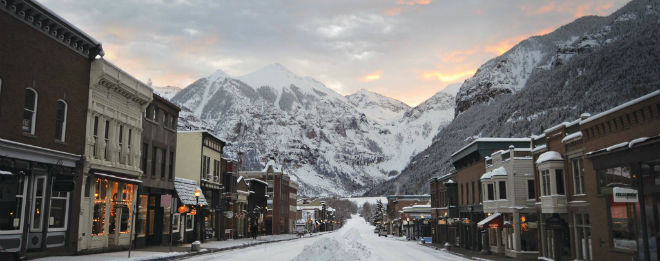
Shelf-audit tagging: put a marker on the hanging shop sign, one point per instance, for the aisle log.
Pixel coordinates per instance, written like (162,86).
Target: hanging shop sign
(626,195)
(166,201)
(229,214)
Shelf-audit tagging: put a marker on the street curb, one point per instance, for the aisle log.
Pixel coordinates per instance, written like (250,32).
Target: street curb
(451,252)
(216,250)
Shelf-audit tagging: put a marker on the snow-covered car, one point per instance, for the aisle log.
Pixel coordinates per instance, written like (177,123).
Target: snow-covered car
(376,230)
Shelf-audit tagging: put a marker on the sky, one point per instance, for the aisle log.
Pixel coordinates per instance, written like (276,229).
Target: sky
(404,49)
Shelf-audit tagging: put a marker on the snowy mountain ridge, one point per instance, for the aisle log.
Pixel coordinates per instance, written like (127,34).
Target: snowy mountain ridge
(334,144)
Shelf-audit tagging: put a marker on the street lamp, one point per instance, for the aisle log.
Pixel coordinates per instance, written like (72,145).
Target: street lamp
(197,194)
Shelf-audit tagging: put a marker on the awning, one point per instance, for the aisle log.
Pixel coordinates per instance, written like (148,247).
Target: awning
(494,219)
(118,179)
(185,190)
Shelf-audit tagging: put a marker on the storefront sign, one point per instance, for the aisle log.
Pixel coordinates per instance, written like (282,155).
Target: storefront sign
(64,185)
(166,201)
(555,223)
(625,195)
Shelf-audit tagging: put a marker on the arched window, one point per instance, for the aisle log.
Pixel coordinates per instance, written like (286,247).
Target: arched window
(30,110)
(60,120)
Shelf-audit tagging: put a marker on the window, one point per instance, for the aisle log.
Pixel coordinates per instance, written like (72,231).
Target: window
(173,123)
(166,116)
(582,236)
(148,113)
(491,191)
(578,176)
(166,220)
(154,152)
(154,115)
(480,200)
(60,120)
(502,189)
(559,179)
(216,168)
(545,182)
(59,209)
(467,193)
(622,220)
(530,189)
(163,160)
(473,198)
(145,151)
(130,135)
(107,139)
(30,110)
(127,200)
(171,165)
(100,199)
(12,200)
(96,135)
(38,204)
(175,222)
(614,177)
(141,222)
(190,224)
(461,194)
(121,143)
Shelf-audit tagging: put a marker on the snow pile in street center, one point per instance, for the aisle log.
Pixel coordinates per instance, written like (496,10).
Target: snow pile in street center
(330,249)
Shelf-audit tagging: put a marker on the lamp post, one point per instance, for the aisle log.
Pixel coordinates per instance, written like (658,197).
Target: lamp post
(197,194)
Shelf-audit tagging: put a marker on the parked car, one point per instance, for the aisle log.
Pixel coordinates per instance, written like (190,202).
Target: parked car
(376,230)
(383,232)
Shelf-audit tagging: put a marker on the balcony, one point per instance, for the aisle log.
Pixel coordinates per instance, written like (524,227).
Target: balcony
(554,204)
(496,206)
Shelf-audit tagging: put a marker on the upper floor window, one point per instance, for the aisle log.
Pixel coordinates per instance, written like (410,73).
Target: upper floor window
(171,165)
(578,176)
(96,135)
(149,112)
(154,115)
(490,189)
(60,120)
(130,135)
(107,140)
(502,189)
(166,117)
(121,143)
(614,177)
(30,110)
(545,182)
(163,160)
(173,122)
(552,184)
(530,189)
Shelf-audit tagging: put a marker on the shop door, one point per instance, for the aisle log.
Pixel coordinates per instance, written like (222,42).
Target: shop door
(154,221)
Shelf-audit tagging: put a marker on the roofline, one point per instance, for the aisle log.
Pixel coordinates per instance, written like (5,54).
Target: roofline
(488,140)
(621,107)
(166,101)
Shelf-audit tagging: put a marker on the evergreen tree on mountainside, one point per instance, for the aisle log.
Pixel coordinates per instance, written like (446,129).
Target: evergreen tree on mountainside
(619,66)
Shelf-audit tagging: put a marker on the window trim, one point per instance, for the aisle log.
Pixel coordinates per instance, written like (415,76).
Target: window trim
(533,188)
(499,190)
(177,217)
(34,202)
(66,110)
(24,205)
(192,223)
(580,177)
(33,123)
(66,210)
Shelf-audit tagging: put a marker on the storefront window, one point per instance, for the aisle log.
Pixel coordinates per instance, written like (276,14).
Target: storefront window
(100,199)
(175,222)
(59,209)
(116,198)
(623,226)
(528,234)
(166,220)
(614,177)
(38,206)
(127,201)
(141,226)
(12,195)
(189,222)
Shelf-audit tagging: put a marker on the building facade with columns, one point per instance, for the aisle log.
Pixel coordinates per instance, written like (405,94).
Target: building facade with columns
(111,173)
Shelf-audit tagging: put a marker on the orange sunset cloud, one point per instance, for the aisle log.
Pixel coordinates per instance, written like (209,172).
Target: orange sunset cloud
(503,46)
(448,78)
(393,11)
(371,77)
(413,2)
(571,7)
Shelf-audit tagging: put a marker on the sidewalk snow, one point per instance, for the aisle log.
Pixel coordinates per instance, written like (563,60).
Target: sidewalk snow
(122,255)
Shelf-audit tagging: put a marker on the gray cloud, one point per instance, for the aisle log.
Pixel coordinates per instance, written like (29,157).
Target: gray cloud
(175,42)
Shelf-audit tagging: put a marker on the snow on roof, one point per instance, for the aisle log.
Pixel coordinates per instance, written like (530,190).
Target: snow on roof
(496,172)
(572,136)
(239,179)
(622,106)
(449,181)
(276,168)
(185,190)
(638,140)
(2,172)
(536,137)
(556,127)
(539,148)
(257,180)
(616,146)
(488,219)
(487,175)
(491,140)
(549,156)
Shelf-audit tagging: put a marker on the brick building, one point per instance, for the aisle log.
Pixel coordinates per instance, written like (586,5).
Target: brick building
(43,109)
(393,219)
(444,208)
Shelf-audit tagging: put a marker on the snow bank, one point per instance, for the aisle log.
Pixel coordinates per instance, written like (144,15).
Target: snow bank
(330,249)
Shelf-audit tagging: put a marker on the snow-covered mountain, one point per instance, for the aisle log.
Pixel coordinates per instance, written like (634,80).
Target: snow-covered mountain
(334,145)
(166,92)
(377,106)
(587,66)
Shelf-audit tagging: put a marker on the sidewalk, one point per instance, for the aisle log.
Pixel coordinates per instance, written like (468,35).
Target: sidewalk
(162,252)
(470,254)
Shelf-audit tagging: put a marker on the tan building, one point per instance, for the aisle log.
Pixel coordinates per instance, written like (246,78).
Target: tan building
(112,157)
(199,159)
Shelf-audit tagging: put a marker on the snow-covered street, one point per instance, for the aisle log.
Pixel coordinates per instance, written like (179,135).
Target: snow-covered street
(355,241)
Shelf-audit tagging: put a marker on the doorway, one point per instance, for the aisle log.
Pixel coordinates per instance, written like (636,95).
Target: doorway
(154,221)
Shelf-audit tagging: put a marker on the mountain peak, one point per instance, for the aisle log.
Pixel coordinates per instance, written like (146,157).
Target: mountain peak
(218,74)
